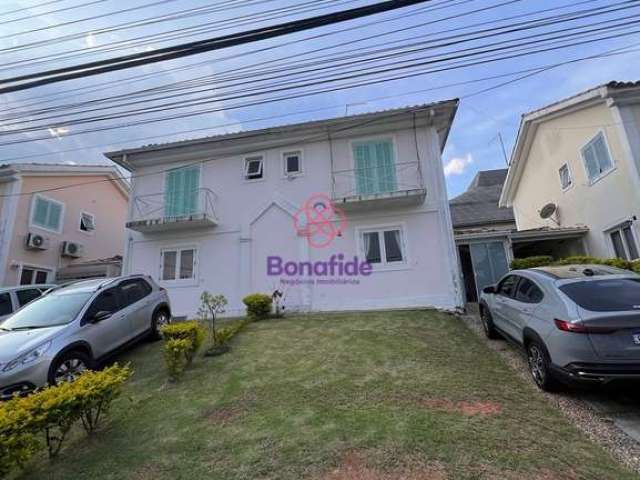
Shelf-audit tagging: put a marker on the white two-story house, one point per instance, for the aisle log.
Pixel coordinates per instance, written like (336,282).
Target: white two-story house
(348,213)
(576,165)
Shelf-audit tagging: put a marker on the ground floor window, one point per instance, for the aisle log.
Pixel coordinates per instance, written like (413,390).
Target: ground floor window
(624,242)
(383,246)
(30,276)
(178,264)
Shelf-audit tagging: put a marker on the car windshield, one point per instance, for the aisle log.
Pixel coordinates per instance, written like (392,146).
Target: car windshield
(56,308)
(608,295)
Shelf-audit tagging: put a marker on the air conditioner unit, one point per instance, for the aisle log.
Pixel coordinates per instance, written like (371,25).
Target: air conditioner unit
(72,249)
(35,241)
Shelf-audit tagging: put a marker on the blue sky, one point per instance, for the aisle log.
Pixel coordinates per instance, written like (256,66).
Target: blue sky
(473,142)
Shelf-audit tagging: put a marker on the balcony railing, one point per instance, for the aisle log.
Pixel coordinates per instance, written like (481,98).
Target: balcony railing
(159,212)
(401,183)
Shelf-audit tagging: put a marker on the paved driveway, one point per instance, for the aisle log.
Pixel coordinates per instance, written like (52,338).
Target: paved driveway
(609,415)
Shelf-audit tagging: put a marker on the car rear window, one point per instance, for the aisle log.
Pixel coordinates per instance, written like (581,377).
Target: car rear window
(607,295)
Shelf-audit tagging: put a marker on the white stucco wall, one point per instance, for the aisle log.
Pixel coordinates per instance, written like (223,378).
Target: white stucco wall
(602,205)
(256,221)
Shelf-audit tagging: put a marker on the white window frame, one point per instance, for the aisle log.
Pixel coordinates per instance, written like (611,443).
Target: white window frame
(568,187)
(93,219)
(33,211)
(287,153)
(619,228)
(245,167)
(177,280)
(36,268)
(584,162)
(384,265)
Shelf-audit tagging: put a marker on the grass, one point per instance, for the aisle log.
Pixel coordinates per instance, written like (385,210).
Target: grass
(385,395)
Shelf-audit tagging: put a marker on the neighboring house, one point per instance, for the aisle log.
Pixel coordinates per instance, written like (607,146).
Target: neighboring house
(209,214)
(43,235)
(487,238)
(581,156)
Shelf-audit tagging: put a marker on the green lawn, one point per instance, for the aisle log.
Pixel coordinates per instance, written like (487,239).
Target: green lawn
(371,396)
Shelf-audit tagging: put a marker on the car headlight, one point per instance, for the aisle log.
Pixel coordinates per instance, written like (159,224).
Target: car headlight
(27,358)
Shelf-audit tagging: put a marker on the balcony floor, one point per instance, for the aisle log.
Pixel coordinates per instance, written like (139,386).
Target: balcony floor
(171,224)
(404,198)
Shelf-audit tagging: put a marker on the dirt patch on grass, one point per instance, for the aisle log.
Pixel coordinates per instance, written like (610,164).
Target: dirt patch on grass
(354,467)
(467,408)
(224,415)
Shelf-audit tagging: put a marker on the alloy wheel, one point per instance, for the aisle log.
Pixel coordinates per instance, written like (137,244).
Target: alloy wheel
(69,370)
(537,364)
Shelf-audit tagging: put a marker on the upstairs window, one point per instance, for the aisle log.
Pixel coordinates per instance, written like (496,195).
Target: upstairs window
(47,213)
(375,169)
(253,168)
(565,177)
(292,162)
(596,157)
(181,191)
(87,222)
(624,242)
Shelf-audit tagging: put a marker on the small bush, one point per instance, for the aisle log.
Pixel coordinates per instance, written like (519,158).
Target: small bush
(53,411)
(190,331)
(635,266)
(226,333)
(176,354)
(258,305)
(531,262)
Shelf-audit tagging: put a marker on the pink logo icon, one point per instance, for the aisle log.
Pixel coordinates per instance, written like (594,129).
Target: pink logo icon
(320,221)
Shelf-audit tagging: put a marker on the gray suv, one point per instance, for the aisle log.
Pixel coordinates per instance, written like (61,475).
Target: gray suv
(71,328)
(575,322)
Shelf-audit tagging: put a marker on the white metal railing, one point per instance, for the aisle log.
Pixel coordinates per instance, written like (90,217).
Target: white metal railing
(199,202)
(406,176)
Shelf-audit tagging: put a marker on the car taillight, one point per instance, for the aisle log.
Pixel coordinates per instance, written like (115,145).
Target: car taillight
(570,327)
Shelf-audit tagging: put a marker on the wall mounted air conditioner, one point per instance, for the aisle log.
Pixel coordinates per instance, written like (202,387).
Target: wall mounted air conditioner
(72,249)
(35,241)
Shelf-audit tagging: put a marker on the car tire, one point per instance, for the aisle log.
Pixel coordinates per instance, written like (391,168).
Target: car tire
(540,367)
(160,318)
(68,366)
(487,324)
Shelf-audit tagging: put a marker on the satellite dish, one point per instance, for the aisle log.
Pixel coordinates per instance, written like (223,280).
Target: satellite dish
(548,211)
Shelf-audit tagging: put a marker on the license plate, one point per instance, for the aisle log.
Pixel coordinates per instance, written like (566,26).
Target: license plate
(636,338)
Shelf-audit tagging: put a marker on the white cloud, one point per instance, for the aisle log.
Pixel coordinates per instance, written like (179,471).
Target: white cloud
(90,40)
(457,165)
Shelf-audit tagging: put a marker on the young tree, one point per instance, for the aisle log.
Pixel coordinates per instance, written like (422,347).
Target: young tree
(210,306)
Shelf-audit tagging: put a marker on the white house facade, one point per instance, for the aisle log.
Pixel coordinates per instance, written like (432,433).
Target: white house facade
(581,155)
(342,214)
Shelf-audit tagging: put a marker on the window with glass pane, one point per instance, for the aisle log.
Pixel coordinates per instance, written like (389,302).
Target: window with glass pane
(565,177)
(392,246)
(630,240)
(169,259)
(5,304)
(181,191)
(41,276)
(624,242)
(28,295)
(375,168)
(186,263)
(292,163)
(618,246)
(87,222)
(26,277)
(372,247)
(596,157)
(46,213)
(253,168)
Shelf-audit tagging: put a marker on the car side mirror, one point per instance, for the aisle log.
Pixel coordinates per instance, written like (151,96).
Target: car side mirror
(100,316)
(489,289)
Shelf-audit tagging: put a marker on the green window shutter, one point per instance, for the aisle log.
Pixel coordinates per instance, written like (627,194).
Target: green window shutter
(55,215)
(40,212)
(191,180)
(375,167)
(181,191)
(170,193)
(386,167)
(364,171)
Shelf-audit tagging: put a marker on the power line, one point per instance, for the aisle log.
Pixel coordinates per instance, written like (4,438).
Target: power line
(193,48)
(30,17)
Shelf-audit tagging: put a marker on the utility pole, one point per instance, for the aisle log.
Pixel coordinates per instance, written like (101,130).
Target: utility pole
(504,150)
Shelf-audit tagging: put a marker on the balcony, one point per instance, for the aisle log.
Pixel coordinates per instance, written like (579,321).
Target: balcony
(369,188)
(160,212)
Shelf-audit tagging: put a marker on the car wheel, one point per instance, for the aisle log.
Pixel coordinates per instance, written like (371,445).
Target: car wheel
(487,324)
(69,366)
(539,367)
(160,318)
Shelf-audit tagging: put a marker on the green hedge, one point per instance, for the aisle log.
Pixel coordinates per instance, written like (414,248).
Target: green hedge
(541,261)
(50,413)
(258,305)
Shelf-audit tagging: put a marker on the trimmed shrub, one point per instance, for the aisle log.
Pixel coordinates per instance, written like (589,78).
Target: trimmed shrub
(52,411)
(531,262)
(191,331)
(635,266)
(258,305)
(227,332)
(176,356)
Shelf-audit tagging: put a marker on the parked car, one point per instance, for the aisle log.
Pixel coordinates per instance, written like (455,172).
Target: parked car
(12,298)
(71,328)
(577,323)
